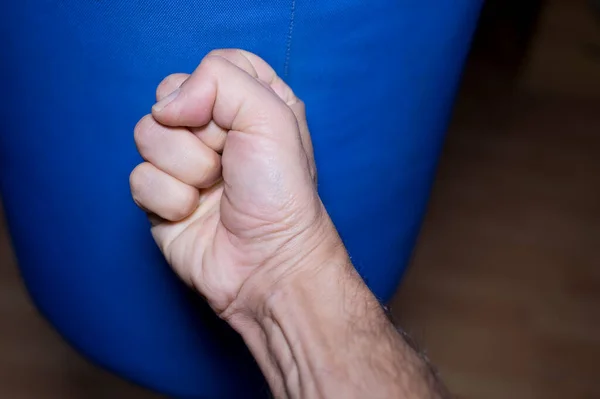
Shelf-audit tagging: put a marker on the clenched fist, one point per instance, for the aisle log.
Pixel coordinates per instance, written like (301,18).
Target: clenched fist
(229,181)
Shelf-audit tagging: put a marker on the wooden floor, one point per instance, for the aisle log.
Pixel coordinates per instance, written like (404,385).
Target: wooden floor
(504,290)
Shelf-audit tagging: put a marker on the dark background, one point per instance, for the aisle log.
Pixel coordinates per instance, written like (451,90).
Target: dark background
(504,289)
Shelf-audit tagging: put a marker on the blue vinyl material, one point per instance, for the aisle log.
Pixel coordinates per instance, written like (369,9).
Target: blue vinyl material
(378,78)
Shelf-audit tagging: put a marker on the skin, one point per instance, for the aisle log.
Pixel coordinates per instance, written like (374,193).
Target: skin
(229,183)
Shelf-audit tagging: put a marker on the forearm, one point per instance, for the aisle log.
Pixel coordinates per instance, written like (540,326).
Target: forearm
(324,335)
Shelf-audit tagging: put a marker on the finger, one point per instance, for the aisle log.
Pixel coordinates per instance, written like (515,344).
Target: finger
(159,193)
(177,152)
(170,84)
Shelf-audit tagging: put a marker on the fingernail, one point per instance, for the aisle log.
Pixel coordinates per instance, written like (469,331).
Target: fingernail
(159,106)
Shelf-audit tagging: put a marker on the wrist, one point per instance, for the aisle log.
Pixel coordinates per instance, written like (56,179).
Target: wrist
(310,260)
(314,327)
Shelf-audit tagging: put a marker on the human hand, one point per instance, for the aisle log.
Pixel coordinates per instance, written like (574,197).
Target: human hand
(233,225)
(247,229)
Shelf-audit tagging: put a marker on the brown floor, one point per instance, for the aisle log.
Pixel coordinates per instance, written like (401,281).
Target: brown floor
(504,290)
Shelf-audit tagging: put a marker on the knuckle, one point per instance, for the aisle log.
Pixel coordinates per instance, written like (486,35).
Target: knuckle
(140,176)
(138,180)
(212,162)
(299,109)
(288,116)
(213,63)
(212,169)
(222,52)
(169,83)
(301,105)
(143,130)
(187,204)
(162,86)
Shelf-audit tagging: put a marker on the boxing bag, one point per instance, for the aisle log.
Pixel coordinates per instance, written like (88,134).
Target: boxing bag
(378,78)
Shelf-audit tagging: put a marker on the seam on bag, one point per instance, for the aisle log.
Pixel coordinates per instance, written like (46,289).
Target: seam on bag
(288,43)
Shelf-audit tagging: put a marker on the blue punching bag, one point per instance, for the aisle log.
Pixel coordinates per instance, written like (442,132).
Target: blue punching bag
(378,78)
